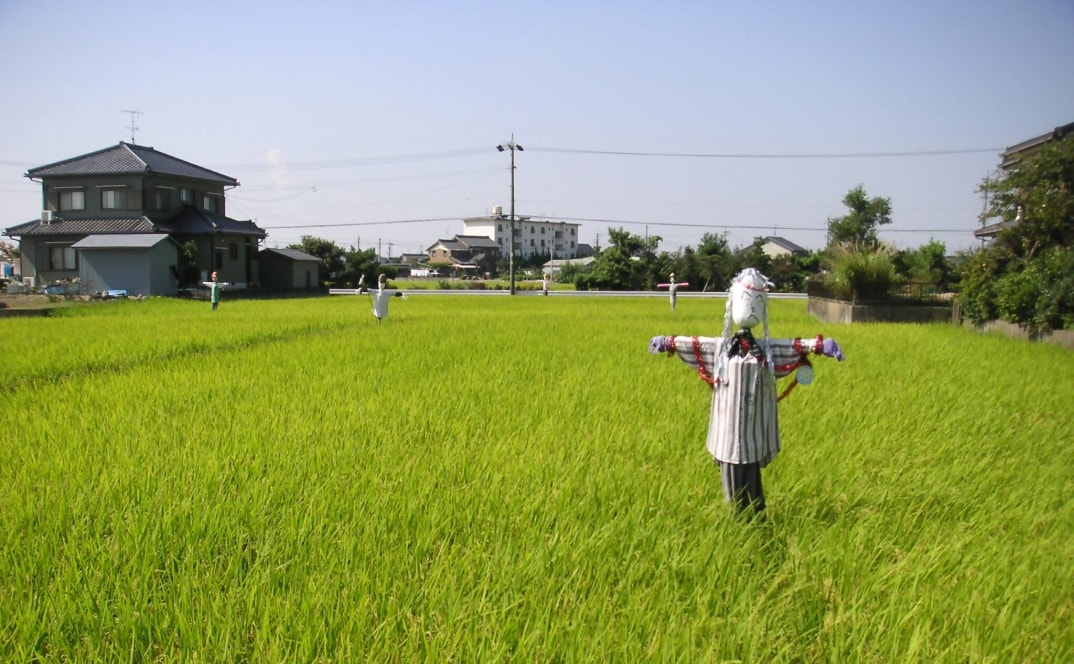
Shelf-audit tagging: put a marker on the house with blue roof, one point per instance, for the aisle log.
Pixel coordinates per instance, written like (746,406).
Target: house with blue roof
(135,208)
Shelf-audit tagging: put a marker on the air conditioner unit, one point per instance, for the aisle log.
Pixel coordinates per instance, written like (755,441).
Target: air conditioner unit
(29,281)
(46,216)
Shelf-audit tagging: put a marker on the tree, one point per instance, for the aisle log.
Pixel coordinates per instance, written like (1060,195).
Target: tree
(926,264)
(715,262)
(752,255)
(358,263)
(860,224)
(1024,275)
(8,252)
(332,256)
(628,264)
(187,272)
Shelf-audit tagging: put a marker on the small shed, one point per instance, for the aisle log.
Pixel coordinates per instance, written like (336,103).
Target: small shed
(139,263)
(288,269)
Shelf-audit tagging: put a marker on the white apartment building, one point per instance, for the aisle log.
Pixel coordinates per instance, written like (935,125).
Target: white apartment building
(556,238)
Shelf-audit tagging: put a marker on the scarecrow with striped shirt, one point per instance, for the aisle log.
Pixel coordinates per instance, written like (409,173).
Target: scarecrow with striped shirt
(743,433)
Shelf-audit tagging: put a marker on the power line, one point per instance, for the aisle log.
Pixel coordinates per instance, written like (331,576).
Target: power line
(817,155)
(734,226)
(350,162)
(469,152)
(364,223)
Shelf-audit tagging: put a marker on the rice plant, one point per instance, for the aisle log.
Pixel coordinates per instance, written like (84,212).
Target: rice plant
(494,478)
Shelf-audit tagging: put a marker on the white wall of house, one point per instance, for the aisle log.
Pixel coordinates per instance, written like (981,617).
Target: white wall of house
(558,238)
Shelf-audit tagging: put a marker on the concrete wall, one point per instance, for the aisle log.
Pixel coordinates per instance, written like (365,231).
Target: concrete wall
(1063,338)
(839,311)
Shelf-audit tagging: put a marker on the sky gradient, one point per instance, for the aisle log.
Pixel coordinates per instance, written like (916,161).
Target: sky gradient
(375,124)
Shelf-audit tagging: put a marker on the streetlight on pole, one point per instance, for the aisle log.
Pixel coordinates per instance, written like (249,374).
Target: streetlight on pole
(512,146)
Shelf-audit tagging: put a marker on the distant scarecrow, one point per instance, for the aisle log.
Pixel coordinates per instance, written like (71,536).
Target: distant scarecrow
(214,290)
(380,297)
(743,432)
(673,288)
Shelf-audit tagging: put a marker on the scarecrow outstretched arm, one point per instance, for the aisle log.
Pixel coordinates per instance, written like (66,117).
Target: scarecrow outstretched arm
(694,351)
(787,354)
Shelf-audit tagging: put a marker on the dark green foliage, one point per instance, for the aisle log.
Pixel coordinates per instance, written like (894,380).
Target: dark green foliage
(859,225)
(628,264)
(928,264)
(187,270)
(1026,275)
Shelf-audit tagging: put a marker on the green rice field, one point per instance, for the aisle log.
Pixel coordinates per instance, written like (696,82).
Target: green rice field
(492,479)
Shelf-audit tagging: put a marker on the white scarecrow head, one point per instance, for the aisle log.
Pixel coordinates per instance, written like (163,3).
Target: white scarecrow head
(748,298)
(747,307)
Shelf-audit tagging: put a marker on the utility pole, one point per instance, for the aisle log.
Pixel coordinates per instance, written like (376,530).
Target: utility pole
(512,146)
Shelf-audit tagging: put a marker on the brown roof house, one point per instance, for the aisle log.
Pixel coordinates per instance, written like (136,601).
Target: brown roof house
(119,219)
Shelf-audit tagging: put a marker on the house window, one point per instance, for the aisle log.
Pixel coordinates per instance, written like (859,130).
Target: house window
(186,196)
(208,203)
(62,258)
(161,199)
(531,242)
(113,199)
(542,230)
(572,244)
(233,251)
(72,200)
(542,242)
(532,229)
(499,227)
(572,231)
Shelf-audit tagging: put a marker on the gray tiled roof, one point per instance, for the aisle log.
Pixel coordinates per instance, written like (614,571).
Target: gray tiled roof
(189,221)
(293,254)
(477,241)
(450,245)
(786,244)
(127,159)
(192,221)
(37,228)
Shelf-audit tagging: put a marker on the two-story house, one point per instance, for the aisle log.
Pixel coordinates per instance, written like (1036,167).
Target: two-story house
(466,252)
(120,217)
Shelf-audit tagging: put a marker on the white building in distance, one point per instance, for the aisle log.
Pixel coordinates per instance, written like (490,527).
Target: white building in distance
(558,239)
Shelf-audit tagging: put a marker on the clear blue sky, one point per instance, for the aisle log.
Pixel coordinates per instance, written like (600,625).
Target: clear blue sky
(338,117)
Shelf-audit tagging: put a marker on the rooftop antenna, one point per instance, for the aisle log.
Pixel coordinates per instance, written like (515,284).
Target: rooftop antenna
(133,127)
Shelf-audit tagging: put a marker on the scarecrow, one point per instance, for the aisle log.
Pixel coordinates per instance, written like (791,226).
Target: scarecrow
(743,432)
(214,290)
(673,287)
(380,297)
